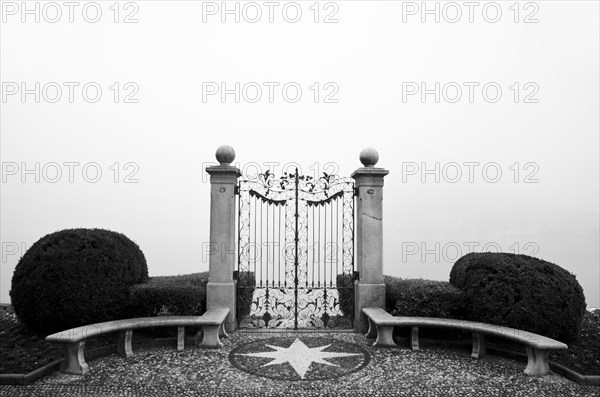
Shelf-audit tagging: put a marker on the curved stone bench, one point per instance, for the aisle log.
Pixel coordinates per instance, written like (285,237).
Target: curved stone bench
(381,327)
(74,339)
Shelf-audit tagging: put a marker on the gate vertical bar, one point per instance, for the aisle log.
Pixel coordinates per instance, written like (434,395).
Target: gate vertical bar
(325,258)
(239,257)
(296,237)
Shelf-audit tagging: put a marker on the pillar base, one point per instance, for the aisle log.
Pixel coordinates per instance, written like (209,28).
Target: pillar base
(223,296)
(366,295)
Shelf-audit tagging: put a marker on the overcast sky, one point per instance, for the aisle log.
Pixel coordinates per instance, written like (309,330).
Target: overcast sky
(499,103)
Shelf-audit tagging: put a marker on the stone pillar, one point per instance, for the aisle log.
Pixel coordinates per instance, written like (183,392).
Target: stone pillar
(221,288)
(369,289)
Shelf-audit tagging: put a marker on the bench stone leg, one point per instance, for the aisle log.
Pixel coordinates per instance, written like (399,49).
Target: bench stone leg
(537,362)
(479,349)
(222,332)
(180,338)
(124,345)
(74,362)
(414,338)
(384,336)
(372,332)
(211,336)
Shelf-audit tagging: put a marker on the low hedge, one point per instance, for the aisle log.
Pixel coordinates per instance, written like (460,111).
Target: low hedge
(423,298)
(245,289)
(345,288)
(183,295)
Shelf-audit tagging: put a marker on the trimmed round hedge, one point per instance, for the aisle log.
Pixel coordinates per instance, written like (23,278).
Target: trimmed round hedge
(75,277)
(521,292)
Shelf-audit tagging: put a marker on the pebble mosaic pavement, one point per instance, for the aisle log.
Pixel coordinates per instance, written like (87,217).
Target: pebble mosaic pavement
(249,365)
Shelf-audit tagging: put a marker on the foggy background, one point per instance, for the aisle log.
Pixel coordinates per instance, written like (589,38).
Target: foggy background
(152,153)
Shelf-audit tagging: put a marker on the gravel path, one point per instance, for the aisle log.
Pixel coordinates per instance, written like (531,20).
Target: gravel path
(384,372)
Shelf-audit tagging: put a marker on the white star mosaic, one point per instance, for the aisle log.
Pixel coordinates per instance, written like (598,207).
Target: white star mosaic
(299,356)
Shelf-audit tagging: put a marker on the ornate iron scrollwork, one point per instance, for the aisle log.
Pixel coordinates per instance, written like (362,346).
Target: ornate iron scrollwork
(296,242)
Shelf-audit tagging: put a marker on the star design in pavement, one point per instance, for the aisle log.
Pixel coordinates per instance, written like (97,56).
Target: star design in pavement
(299,356)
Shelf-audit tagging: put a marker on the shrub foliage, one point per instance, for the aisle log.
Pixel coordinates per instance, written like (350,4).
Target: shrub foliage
(246,282)
(75,277)
(345,288)
(423,298)
(183,295)
(521,292)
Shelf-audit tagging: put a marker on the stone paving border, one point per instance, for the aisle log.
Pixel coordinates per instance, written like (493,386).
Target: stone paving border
(25,379)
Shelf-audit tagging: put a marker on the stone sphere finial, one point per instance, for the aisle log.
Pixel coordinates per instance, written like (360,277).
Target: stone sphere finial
(225,155)
(369,157)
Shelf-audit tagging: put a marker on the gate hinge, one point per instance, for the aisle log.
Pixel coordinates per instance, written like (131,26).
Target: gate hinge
(236,189)
(355,192)
(356,274)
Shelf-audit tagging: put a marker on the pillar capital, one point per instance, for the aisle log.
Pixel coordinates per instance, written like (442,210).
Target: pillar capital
(369,176)
(223,173)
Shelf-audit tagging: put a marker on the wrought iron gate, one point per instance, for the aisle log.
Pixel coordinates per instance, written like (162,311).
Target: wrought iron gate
(295,251)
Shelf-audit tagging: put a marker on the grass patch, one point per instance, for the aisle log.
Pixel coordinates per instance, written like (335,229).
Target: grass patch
(21,350)
(583,355)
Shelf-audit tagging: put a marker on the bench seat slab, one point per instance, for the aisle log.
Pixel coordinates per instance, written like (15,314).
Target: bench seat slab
(212,323)
(537,362)
(381,326)
(74,362)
